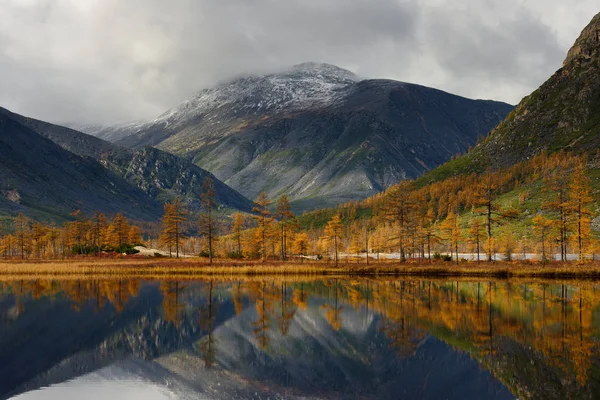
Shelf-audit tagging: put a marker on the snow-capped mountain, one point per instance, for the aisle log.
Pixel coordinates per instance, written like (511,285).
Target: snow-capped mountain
(304,86)
(315,132)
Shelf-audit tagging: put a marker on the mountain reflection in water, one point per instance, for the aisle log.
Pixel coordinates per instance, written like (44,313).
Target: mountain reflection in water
(280,338)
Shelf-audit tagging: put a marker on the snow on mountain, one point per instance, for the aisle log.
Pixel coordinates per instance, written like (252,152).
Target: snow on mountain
(316,132)
(303,86)
(307,85)
(111,133)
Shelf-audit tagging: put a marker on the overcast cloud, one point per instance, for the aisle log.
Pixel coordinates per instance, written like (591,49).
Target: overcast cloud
(108,61)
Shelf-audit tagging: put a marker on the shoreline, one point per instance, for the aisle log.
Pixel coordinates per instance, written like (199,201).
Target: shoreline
(195,268)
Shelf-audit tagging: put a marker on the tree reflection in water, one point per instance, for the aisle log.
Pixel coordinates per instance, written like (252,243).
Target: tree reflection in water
(534,337)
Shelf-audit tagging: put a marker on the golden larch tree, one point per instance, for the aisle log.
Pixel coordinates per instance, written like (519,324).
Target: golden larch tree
(208,199)
(119,232)
(300,246)
(580,202)
(237,228)
(333,234)
(542,227)
(263,219)
(285,215)
(172,226)
(22,234)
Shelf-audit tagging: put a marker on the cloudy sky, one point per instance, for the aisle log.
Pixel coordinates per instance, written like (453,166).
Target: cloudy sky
(107,61)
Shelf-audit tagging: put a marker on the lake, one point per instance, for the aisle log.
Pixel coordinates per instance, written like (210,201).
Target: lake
(299,339)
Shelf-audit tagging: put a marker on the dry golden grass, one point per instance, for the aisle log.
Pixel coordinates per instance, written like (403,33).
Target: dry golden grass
(158,268)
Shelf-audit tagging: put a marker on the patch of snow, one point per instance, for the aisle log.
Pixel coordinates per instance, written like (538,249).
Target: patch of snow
(304,85)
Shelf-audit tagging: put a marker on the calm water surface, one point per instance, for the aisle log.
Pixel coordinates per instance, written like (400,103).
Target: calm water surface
(292,339)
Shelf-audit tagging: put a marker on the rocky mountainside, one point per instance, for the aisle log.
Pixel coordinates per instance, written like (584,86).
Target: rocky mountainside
(110,133)
(159,175)
(563,114)
(316,132)
(42,179)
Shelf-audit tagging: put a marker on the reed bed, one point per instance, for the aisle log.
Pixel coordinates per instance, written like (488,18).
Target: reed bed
(151,268)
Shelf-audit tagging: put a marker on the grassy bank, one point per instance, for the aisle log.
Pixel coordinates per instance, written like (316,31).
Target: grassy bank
(189,268)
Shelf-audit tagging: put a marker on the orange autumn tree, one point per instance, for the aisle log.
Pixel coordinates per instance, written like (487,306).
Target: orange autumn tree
(135,235)
(99,230)
(119,232)
(580,201)
(79,236)
(237,228)
(300,246)
(172,226)
(486,205)
(542,227)
(22,235)
(399,211)
(333,234)
(452,232)
(77,230)
(38,238)
(285,215)
(476,233)
(557,183)
(208,199)
(263,219)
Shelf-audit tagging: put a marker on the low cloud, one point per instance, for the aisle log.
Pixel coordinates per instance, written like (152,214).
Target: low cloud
(107,61)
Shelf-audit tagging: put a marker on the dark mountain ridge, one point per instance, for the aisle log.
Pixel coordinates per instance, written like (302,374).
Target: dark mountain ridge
(45,181)
(160,176)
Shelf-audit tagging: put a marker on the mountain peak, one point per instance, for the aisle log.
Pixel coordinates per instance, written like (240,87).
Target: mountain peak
(314,65)
(587,46)
(323,70)
(317,66)
(302,86)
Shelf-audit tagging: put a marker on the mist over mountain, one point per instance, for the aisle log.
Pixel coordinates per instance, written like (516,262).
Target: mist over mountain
(316,132)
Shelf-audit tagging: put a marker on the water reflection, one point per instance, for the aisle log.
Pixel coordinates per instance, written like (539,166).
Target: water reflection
(334,338)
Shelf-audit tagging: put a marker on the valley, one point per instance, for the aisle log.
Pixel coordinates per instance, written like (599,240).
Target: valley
(316,133)
(192,209)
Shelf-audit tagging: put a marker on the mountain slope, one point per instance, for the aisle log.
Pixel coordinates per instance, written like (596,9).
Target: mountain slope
(563,114)
(109,133)
(44,180)
(317,132)
(160,175)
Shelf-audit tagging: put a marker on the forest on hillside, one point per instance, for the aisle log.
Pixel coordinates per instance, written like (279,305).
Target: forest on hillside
(542,209)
